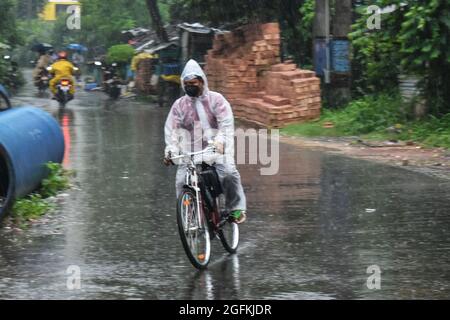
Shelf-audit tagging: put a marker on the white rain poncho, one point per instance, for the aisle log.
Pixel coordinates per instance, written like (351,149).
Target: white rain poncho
(192,123)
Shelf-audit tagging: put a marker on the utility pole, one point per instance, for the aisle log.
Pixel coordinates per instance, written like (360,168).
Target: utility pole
(321,34)
(331,49)
(341,77)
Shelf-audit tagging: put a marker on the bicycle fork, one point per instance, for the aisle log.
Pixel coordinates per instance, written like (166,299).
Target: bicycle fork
(192,180)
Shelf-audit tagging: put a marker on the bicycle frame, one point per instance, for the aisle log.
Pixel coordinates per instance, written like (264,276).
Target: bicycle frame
(192,181)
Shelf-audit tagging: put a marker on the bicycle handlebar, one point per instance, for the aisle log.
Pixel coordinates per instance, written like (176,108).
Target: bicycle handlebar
(193,154)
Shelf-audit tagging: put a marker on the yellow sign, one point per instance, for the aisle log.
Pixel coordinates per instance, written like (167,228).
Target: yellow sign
(55,8)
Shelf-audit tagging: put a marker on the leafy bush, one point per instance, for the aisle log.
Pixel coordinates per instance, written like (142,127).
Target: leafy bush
(38,204)
(57,180)
(122,53)
(372,113)
(29,208)
(433,131)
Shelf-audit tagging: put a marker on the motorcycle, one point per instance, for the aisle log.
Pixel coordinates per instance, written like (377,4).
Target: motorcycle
(63,94)
(112,83)
(43,81)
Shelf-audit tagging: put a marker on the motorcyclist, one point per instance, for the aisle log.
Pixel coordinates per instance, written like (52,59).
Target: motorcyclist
(196,119)
(62,69)
(44,61)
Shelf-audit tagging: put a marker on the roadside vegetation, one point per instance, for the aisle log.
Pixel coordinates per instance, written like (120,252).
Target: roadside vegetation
(36,205)
(377,117)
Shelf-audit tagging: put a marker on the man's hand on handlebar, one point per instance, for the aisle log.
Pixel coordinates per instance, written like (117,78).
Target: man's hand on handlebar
(218,146)
(167,161)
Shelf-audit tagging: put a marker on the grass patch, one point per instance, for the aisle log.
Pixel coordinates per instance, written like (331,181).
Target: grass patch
(35,205)
(147,98)
(378,117)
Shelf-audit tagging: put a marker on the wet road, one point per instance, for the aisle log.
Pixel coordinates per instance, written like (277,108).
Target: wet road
(309,233)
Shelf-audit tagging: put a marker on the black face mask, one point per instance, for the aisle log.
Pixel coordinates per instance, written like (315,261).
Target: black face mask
(192,91)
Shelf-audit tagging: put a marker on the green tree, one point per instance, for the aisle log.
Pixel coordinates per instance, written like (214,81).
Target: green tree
(9,34)
(29,9)
(230,13)
(8,25)
(414,39)
(103,21)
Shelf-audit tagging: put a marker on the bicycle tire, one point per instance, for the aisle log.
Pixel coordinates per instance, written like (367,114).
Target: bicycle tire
(187,205)
(229,236)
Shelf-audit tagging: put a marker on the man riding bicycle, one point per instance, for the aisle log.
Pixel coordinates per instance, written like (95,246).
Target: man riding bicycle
(196,119)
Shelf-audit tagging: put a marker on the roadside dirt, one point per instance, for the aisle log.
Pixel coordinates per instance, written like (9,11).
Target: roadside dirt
(431,161)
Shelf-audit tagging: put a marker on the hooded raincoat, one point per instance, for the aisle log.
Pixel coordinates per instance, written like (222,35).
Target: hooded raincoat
(193,122)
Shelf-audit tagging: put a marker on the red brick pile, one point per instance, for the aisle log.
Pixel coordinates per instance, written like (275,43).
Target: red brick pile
(244,66)
(237,57)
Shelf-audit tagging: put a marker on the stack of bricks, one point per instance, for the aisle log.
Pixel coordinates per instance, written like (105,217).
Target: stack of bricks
(244,66)
(237,58)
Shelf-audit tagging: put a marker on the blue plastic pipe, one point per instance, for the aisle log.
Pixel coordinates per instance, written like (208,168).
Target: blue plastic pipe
(29,138)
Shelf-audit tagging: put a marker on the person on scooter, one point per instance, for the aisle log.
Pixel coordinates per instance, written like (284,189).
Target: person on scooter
(62,69)
(44,61)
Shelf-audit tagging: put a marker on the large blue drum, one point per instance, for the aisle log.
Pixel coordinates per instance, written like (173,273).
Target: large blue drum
(29,138)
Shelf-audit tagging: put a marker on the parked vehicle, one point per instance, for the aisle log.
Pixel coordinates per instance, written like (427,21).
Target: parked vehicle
(4,99)
(13,79)
(111,80)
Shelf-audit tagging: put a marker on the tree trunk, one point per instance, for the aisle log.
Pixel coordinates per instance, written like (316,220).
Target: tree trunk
(157,22)
(291,13)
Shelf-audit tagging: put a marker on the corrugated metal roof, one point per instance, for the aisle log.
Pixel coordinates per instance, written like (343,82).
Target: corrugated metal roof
(160,47)
(195,28)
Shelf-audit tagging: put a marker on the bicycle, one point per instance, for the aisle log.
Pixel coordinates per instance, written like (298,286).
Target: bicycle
(199,215)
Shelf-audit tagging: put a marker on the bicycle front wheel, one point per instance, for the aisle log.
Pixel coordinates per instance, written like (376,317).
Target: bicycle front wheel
(193,229)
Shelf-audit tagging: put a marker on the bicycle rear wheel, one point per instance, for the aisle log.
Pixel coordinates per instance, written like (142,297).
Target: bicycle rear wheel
(193,229)
(229,236)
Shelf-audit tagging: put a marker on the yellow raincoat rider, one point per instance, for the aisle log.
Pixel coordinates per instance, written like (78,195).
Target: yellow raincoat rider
(62,69)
